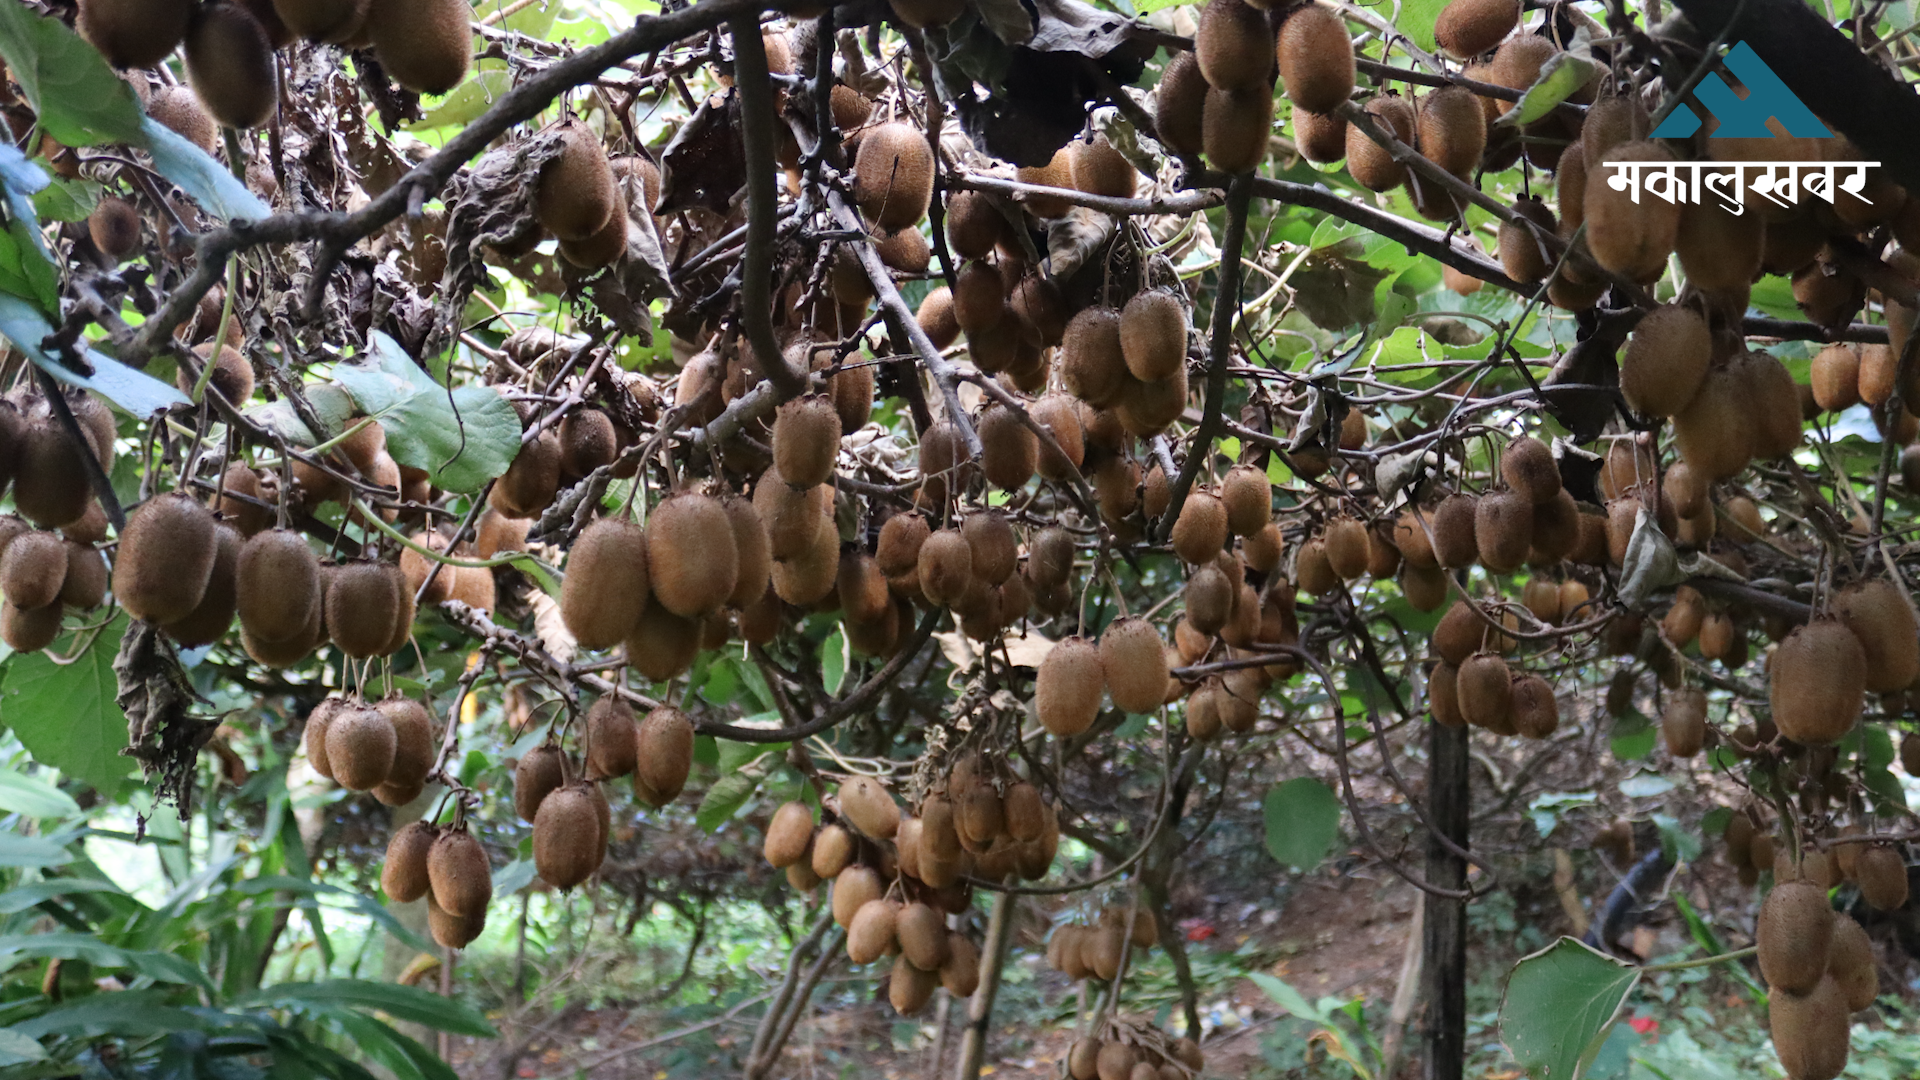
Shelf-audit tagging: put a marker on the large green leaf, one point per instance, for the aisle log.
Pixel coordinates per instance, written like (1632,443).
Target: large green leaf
(1303,822)
(1559,1005)
(362,903)
(1416,19)
(67,200)
(34,797)
(78,98)
(462,439)
(404,1057)
(406,1003)
(139,393)
(26,264)
(17,850)
(159,967)
(66,715)
(724,799)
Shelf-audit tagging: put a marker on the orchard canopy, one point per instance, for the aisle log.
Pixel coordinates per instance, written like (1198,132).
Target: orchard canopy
(925,474)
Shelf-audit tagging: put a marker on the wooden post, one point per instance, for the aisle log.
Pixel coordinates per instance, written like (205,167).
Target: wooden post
(973,1049)
(1445,935)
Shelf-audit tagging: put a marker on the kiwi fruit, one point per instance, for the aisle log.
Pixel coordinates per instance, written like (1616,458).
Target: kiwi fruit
(1093,363)
(610,738)
(854,888)
(922,932)
(995,552)
(1716,432)
(944,464)
(84,585)
(1817,682)
(1200,532)
(1467,28)
(862,588)
(1009,452)
(574,195)
(1344,550)
(1452,130)
(1316,59)
(1535,713)
(1096,168)
(1775,421)
(691,558)
(425,45)
(908,987)
(893,175)
(806,440)
(453,931)
(459,873)
(1630,238)
(974,224)
(1153,336)
(231,65)
(945,566)
(832,851)
(473,586)
(1234,127)
(1876,613)
(1372,165)
(210,619)
(1881,872)
(403,873)
(1058,414)
(278,583)
(565,831)
(1484,688)
(1459,634)
(1527,465)
(33,569)
(361,744)
(529,484)
(250,519)
(1149,408)
(865,803)
(1503,530)
(166,556)
(664,743)
(134,33)
(1235,47)
(1208,599)
(587,442)
(789,832)
(1721,253)
(114,227)
(362,605)
(809,577)
(179,110)
(870,935)
(791,519)
(1835,377)
(898,549)
(1425,587)
(1133,661)
(1179,105)
(1851,964)
(1793,933)
(29,630)
(1522,254)
(1056,173)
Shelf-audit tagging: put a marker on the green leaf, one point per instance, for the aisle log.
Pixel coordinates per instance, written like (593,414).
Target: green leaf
(66,714)
(34,797)
(1565,73)
(135,391)
(833,661)
(1560,1002)
(405,1003)
(1680,845)
(159,967)
(18,1049)
(467,101)
(724,799)
(78,98)
(1285,996)
(1416,20)
(17,850)
(1303,822)
(199,175)
(26,896)
(407,1059)
(130,1013)
(67,200)
(513,877)
(734,756)
(462,439)
(366,905)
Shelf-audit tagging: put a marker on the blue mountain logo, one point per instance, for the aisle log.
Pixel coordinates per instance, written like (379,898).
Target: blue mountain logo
(1745,118)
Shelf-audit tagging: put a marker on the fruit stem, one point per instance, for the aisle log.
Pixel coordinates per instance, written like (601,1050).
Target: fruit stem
(219,335)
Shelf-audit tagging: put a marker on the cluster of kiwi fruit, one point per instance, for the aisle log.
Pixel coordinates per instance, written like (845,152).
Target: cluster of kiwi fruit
(386,747)
(585,200)
(1819,967)
(448,866)
(1094,951)
(1122,1050)
(896,877)
(43,574)
(1837,857)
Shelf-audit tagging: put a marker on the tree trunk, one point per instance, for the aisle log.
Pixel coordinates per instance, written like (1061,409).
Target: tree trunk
(1445,933)
(973,1051)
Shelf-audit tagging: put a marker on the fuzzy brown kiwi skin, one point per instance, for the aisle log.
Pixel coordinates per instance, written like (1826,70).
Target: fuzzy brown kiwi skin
(1153,335)
(1877,614)
(414,741)
(1629,239)
(1235,47)
(806,439)
(460,873)
(1817,681)
(1133,660)
(665,753)
(166,555)
(1093,361)
(1452,130)
(1665,361)
(403,874)
(114,227)
(50,487)
(134,33)
(1470,27)
(33,569)
(1234,128)
(85,583)
(362,604)
(1179,105)
(565,837)
(1371,164)
(426,45)
(574,195)
(213,615)
(691,557)
(1522,255)
(278,581)
(231,66)
(1316,59)
(893,175)
(360,746)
